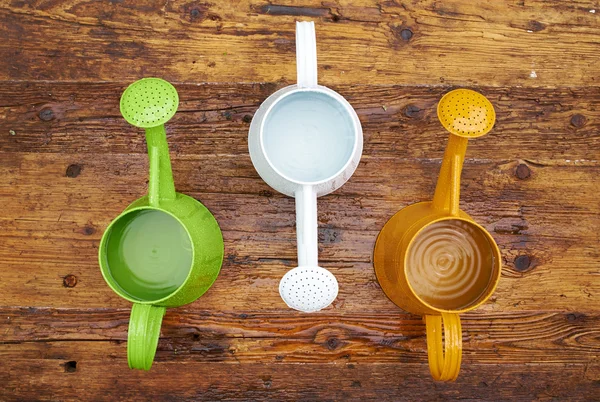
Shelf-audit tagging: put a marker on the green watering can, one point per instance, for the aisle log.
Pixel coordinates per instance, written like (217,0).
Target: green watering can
(166,248)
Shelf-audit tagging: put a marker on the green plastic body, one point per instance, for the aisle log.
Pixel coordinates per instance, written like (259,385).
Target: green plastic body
(206,250)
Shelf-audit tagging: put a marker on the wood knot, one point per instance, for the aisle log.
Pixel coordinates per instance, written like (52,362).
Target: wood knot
(46,114)
(401,34)
(195,13)
(73,170)
(406,34)
(575,317)
(328,235)
(247,118)
(335,18)
(356,384)
(70,281)
(411,111)
(198,12)
(70,367)
(89,230)
(535,26)
(267,382)
(265,193)
(332,343)
(522,171)
(578,120)
(522,263)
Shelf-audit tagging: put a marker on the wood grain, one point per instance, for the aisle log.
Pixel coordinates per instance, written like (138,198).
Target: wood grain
(189,334)
(517,43)
(69,163)
(190,381)
(213,119)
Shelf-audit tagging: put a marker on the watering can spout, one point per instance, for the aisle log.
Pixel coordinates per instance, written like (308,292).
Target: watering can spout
(149,103)
(465,114)
(161,186)
(447,190)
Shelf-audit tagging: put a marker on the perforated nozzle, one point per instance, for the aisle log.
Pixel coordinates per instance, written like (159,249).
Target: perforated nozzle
(149,102)
(308,289)
(466,113)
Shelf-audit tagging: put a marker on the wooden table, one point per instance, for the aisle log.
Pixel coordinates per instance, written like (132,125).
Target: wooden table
(69,163)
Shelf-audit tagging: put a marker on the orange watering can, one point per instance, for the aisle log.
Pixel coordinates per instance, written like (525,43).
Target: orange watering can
(431,258)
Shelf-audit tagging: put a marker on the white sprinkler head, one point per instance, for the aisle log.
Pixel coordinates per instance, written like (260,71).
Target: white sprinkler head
(308,289)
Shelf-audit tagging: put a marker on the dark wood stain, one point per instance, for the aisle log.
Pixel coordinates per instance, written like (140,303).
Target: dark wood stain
(297,11)
(73,170)
(535,26)
(70,366)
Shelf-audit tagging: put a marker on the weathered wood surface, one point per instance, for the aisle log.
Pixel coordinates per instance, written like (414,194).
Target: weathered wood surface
(527,42)
(190,334)
(69,163)
(193,381)
(213,119)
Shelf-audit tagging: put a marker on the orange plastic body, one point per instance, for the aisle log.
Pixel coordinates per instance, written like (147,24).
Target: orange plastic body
(395,239)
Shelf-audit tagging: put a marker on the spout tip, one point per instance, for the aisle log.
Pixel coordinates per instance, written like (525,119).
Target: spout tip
(308,288)
(149,102)
(466,113)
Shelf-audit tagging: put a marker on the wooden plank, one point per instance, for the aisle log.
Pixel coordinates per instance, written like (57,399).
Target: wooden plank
(51,231)
(242,337)
(539,125)
(190,381)
(533,43)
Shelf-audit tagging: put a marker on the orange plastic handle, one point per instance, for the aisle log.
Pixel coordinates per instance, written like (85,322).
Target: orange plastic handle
(444,357)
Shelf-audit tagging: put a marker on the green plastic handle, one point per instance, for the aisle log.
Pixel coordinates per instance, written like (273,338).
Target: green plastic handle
(144,330)
(160,185)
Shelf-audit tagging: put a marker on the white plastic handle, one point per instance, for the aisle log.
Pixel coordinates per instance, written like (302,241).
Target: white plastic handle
(306,54)
(306,227)
(306,198)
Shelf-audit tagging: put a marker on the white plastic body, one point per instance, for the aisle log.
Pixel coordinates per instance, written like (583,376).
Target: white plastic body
(305,193)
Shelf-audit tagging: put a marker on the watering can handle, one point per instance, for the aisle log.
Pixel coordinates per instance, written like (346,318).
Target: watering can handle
(144,331)
(307,227)
(447,190)
(444,357)
(160,184)
(306,54)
